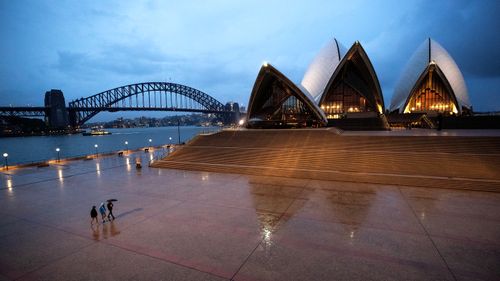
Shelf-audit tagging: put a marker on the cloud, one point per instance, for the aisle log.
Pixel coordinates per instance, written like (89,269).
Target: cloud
(217,47)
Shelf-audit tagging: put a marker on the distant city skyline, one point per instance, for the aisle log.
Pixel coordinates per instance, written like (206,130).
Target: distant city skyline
(84,48)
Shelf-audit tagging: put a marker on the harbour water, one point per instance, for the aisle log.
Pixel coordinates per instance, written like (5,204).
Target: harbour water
(23,150)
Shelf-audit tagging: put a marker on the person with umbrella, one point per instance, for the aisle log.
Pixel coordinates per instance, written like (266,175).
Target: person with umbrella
(110,209)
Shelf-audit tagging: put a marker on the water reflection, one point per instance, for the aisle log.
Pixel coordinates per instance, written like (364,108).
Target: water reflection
(267,235)
(113,229)
(270,201)
(95,232)
(107,229)
(127,163)
(349,207)
(60,175)
(9,186)
(98,168)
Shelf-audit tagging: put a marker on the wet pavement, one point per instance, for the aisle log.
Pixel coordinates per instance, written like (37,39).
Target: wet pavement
(187,225)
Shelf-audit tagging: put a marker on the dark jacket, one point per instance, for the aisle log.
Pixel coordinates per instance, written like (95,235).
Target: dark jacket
(93,212)
(110,206)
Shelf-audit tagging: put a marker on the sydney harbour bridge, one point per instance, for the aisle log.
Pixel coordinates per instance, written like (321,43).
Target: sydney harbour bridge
(148,96)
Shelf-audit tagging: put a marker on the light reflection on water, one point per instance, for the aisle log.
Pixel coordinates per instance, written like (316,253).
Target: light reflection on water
(60,175)
(98,168)
(9,184)
(127,162)
(33,149)
(267,235)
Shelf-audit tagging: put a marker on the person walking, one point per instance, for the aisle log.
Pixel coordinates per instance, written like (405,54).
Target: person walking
(110,210)
(93,215)
(102,210)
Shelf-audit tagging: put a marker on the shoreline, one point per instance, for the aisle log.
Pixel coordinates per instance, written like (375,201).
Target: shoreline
(119,153)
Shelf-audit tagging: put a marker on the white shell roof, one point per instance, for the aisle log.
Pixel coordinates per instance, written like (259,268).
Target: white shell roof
(321,68)
(429,51)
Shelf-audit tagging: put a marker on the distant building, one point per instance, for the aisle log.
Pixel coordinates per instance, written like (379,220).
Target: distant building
(431,83)
(58,115)
(235,116)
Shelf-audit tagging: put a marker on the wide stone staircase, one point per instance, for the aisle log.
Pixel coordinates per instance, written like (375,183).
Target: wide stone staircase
(471,163)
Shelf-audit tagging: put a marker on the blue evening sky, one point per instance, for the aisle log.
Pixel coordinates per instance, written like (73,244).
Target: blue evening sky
(85,47)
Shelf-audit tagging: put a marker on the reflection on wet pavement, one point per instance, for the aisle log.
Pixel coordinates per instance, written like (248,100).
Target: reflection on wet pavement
(210,226)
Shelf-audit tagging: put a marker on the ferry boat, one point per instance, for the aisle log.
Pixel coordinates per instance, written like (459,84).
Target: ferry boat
(96,132)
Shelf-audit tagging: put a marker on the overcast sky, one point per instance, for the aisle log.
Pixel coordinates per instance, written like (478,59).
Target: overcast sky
(86,47)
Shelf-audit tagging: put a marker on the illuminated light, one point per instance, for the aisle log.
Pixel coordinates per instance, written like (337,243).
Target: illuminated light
(265,64)
(96,146)
(413,108)
(352,234)
(241,122)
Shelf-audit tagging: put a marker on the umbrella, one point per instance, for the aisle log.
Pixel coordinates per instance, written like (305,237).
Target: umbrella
(112,200)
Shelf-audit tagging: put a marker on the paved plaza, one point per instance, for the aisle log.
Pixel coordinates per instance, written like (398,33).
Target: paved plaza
(188,225)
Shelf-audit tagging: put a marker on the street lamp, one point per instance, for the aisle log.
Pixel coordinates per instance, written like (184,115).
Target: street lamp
(58,158)
(126,145)
(169,140)
(96,151)
(150,140)
(5,155)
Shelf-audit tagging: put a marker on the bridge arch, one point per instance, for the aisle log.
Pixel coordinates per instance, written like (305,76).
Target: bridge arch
(147,96)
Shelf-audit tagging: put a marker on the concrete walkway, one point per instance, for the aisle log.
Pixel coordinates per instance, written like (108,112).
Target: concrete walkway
(187,225)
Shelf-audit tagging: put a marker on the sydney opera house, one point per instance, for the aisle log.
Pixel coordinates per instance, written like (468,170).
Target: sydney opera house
(341,88)
(431,83)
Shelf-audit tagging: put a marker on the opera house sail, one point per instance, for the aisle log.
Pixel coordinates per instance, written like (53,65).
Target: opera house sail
(431,83)
(276,101)
(353,88)
(322,68)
